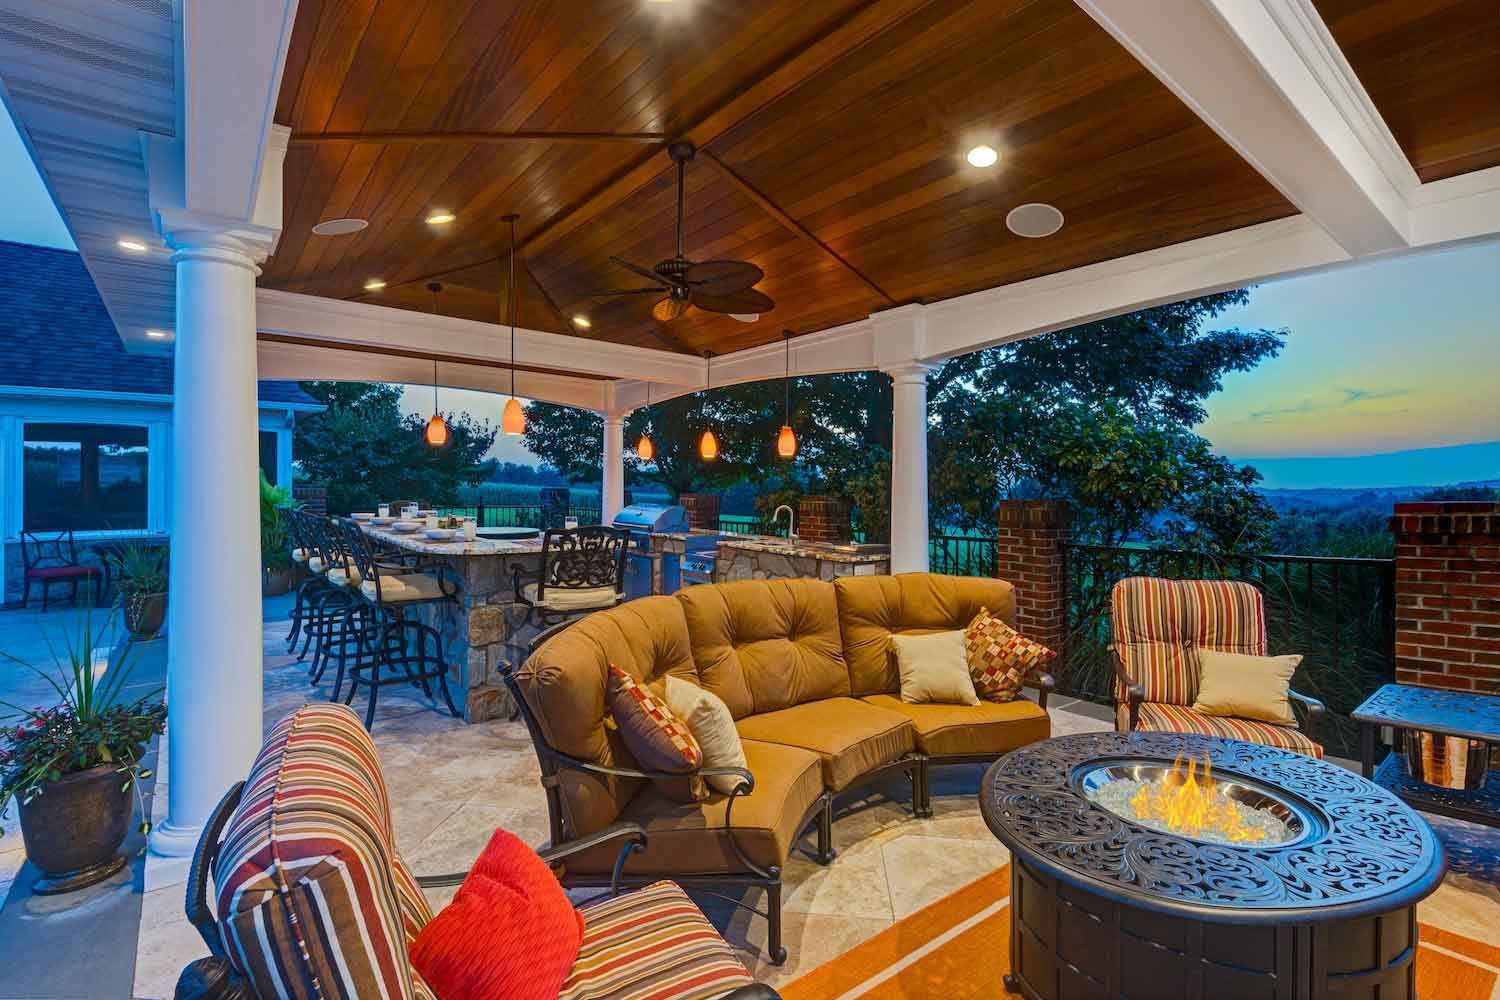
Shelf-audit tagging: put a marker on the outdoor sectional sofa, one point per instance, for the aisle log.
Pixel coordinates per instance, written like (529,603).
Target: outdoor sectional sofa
(807,669)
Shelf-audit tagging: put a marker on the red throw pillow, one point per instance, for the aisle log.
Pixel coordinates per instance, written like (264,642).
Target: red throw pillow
(1001,660)
(510,930)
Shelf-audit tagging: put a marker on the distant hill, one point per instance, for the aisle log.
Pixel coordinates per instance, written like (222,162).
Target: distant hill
(1390,472)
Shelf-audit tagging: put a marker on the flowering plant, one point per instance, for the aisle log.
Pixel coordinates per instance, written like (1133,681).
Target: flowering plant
(91,724)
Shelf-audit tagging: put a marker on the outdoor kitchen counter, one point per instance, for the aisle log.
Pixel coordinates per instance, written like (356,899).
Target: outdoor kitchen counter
(484,626)
(766,557)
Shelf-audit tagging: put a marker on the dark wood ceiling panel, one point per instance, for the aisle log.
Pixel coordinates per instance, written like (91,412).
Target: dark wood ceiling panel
(833,137)
(1432,69)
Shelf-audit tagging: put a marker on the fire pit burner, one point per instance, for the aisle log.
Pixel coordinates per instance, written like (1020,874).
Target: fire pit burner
(1317,901)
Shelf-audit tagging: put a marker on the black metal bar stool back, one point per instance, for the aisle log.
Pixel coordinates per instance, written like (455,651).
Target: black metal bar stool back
(582,570)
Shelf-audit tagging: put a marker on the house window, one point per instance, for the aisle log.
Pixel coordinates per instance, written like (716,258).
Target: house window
(268,456)
(87,477)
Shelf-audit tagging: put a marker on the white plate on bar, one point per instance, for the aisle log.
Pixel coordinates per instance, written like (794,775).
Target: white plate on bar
(382,520)
(363,517)
(441,534)
(406,527)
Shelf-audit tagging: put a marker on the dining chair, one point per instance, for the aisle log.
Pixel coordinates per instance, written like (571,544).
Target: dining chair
(52,557)
(582,570)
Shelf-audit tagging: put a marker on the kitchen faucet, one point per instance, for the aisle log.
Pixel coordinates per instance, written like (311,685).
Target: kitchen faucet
(791,521)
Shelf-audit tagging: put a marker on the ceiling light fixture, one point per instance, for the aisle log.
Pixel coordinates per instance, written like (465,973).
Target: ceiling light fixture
(513,417)
(1034,220)
(708,445)
(374,285)
(786,441)
(157,334)
(436,434)
(983,156)
(644,449)
(440,218)
(339,227)
(134,246)
(745,317)
(582,322)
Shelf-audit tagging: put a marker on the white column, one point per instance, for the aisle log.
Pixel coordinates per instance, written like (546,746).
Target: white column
(909,468)
(612,496)
(214,628)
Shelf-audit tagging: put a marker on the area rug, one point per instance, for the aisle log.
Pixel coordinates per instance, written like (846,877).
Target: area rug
(959,947)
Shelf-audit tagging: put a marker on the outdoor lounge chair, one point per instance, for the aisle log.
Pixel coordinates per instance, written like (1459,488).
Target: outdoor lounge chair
(1157,627)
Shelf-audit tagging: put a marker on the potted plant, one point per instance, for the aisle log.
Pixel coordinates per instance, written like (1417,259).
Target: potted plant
(275,546)
(72,768)
(141,570)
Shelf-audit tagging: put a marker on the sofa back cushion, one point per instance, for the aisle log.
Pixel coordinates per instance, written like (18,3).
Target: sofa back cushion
(764,645)
(565,683)
(872,608)
(1156,624)
(310,889)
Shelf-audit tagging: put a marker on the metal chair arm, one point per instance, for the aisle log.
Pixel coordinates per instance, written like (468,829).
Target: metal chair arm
(1313,712)
(746,786)
(1134,693)
(1045,685)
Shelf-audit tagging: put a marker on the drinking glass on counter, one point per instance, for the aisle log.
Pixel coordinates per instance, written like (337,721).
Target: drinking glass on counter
(570,523)
(432,520)
(470,529)
(384,510)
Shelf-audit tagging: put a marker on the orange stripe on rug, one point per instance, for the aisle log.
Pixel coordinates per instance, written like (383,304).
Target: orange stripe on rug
(959,948)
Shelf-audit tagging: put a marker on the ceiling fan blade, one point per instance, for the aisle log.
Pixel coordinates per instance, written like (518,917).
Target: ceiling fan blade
(654,289)
(668,309)
(646,273)
(746,300)
(720,277)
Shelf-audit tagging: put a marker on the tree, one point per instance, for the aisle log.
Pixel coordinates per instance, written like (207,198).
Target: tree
(366,452)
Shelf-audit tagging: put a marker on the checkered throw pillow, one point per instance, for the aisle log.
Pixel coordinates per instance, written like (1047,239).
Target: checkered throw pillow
(1001,659)
(654,735)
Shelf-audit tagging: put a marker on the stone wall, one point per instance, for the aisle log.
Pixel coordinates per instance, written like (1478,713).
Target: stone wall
(823,519)
(1029,554)
(1448,595)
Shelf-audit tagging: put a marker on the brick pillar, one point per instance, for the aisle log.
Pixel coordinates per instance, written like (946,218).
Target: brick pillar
(702,510)
(312,496)
(1029,554)
(823,519)
(1448,594)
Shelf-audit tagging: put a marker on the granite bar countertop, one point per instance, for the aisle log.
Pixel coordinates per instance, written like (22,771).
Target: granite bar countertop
(416,541)
(823,551)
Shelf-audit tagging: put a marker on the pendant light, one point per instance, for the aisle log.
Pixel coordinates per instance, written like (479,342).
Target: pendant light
(513,418)
(708,445)
(644,449)
(786,441)
(436,434)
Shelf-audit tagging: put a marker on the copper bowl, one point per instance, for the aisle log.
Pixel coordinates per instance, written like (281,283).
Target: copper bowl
(1453,762)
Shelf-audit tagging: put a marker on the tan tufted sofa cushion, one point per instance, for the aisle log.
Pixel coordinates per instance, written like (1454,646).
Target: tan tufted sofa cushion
(765,645)
(870,608)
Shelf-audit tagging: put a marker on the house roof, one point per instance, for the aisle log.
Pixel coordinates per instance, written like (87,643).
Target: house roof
(56,333)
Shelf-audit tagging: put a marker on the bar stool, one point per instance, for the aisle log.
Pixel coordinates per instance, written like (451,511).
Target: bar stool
(397,648)
(291,522)
(335,619)
(582,570)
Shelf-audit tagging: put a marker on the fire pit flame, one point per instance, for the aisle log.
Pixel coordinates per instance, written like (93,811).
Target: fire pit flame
(1184,803)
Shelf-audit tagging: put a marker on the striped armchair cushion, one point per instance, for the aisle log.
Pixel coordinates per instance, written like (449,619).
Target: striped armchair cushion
(313,900)
(651,943)
(1180,719)
(1157,623)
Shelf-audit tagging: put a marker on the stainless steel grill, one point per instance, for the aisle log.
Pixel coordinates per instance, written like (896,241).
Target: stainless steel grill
(643,520)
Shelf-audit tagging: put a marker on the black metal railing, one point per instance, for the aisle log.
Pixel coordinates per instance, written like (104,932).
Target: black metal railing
(961,555)
(1338,613)
(516,515)
(737,524)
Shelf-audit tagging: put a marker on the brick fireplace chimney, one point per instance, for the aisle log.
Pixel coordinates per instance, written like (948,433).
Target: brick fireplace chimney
(1448,594)
(1029,554)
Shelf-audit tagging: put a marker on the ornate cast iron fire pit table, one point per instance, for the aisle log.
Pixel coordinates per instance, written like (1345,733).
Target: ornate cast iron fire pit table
(1319,901)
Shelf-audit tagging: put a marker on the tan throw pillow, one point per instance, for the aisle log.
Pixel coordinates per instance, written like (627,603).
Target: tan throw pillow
(1246,687)
(709,721)
(933,669)
(655,737)
(1001,660)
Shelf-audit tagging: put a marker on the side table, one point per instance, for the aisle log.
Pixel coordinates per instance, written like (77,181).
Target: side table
(1449,713)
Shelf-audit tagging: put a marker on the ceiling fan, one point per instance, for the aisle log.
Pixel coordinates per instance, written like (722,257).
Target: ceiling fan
(721,286)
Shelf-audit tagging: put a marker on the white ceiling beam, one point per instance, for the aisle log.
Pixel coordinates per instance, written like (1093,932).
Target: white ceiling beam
(375,327)
(1268,79)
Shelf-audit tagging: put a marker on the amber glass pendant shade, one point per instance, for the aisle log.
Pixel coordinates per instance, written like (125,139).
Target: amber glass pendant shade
(786,443)
(708,446)
(437,434)
(513,419)
(644,449)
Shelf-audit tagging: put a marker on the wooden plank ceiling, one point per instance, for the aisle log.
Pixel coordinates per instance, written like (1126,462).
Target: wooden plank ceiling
(831,135)
(1432,69)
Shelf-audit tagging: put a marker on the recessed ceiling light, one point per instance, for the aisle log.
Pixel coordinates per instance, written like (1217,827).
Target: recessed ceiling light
(374,285)
(440,218)
(157,334)
(134,246)
(339,227)
(1034,220)
(983,156)
(745,317)
(582,322)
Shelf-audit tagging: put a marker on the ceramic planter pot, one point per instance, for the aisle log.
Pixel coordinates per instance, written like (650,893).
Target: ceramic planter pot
(145,614)
(275,582)
(74,829)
